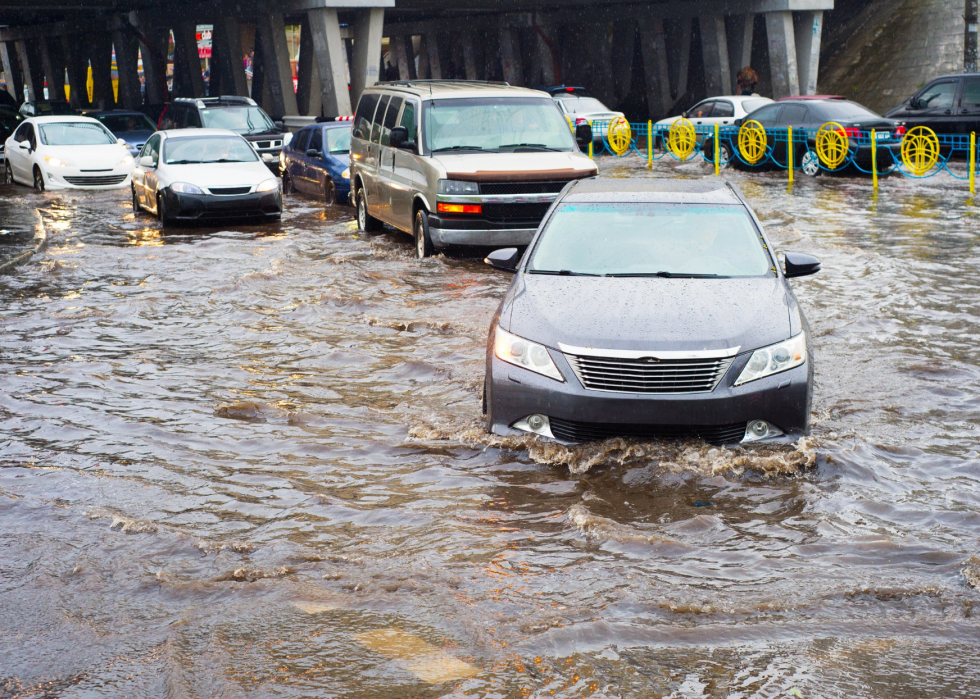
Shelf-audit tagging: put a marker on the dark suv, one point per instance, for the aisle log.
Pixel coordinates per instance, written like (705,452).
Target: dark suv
(947,105)
(239,114)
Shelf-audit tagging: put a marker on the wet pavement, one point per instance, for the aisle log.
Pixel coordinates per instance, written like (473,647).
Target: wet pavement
(249,463)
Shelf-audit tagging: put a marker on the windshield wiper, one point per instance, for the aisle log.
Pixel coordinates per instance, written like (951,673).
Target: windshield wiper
(184,162)
(529,146)
(563,273)
(667,275)
(440,150)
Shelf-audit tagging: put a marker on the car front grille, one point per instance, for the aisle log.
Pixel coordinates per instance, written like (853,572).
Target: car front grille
(571,431)
(516,213)
(521,187)
(95,181)
(263,145)
(649,375)
(226,191)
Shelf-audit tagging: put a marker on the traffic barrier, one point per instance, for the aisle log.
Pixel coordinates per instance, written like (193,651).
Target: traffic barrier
(918,153)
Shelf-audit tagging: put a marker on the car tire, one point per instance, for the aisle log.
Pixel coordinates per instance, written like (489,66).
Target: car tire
(487,405)
(162,213)
(810,164)
(420,231)
(365,221)
(38,179)
(136,202)
(8,174)
(287,183)
(329,192)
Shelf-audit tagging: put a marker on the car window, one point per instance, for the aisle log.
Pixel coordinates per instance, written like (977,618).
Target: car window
(766,116)
(792,114)
(938,95)
(971,93)
(152,149)
(300,141)
(73,133)
(843,110)
(316,140)
(8,123)
(243,120)
(702,110)
(723,108)
(169,118)
(193,118)
(408,120)
(338,140)
(122,123)
(582,105)
(379,119)
(391,119)
(364,115)
(23,133)
(751,105)
(644,239)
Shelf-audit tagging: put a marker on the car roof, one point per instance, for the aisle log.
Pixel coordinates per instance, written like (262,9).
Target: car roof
(667,191)
(189,133)
(115,112)
(61,119)
(445,89)
(735,98)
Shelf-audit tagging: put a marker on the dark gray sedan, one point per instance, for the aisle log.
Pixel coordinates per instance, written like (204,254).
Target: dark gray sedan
(651,309)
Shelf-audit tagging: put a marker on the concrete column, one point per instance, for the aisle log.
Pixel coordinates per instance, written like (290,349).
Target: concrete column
(100,56)
(624,41)
(308,87)
(127,58)
(227,56)
(680,49)
(422,58)
(549,62)
(782,54)
(468,50)
(653,45)
(367,27)
(602,67)
(808,29)
(432,48)
(76,59)
(331,61)
(510,57)
(271,33)
(154,55)
(739,29)
(714,50)
(54,67)
(187,64)
(397,50)
(30,63)
(11,70)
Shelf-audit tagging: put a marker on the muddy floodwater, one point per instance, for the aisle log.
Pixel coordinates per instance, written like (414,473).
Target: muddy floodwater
(249,463)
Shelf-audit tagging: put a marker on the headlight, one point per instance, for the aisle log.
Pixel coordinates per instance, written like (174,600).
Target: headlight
(268,185)
(56,162)
(128,160)
(185,188)
(287,139)
(524,353)
(346,173)
(454,187)
(773,359)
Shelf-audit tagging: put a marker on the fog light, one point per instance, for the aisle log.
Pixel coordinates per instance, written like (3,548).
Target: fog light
(760,429)
(538,424)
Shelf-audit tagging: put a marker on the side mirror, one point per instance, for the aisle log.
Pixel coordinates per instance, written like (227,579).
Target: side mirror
(24,145)
(504,258)
(684,115)
(122,142)
(738,122)
(583,135)
(146,161)
(800,265)
(279,125)
(312,153)
(399,138)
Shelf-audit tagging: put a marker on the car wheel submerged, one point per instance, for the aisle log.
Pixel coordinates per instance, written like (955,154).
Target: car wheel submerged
(136,202)
(287,183)
(365,221)
(38,179)
(8,174)
(330,193)
(162,213)
(420,230)
(810,165)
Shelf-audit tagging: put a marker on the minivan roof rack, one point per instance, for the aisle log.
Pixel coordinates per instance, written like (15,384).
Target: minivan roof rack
(429,81)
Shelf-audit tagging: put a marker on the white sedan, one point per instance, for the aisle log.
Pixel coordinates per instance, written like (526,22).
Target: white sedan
(723,111)
(201,175)
(66,152)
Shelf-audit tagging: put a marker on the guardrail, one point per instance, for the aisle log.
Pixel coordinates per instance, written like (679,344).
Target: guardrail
(917,153)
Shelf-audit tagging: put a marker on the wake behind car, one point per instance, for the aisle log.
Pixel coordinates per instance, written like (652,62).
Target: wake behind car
(203,175)
(461,163)
(66,152)
(650,308)
(317,162)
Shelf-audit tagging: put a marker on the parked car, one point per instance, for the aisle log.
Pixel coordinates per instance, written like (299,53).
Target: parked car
(811,114)
(132,127)
(204,175)
(650,308)
(947,105)
(239,114)
(66,152)
(9,120)
(47,108)
(317,162)
(723,111)
(578,105)
(154,111)
(7,101)
(453,163)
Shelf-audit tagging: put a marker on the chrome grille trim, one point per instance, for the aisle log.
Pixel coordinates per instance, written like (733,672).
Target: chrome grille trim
(649,373)
(643,354)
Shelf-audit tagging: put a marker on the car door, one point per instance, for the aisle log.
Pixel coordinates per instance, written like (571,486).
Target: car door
(386,158)
(18,159)
(296,160)
(933,106)
(151,175)
(767,118)
(316,168)
(369,164)
(700,115)
(723,113)
(795,115)
(403,185)
(968,114)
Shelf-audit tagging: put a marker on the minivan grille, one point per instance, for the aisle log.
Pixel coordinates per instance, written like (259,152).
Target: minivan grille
(95,181)
(521,187)
(229,190)
(649,375)
(571,431)
(528,213)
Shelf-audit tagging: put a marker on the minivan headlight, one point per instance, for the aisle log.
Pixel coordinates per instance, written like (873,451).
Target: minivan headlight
(456,187)
(268,185)
(524,353)
(186,188)
(773,359)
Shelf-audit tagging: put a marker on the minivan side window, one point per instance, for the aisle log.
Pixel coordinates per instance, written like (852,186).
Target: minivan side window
(408,121)
(971,93)
(391,119)
(364,115)
(378,118)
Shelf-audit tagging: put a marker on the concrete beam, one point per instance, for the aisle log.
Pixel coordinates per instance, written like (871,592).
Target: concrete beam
(808,29)
(153,52)
(11,70)
(331,61)
(782,54)
(100,57)
(76,59)
(309,99)
(682,60)
(127,64)
(467,47)
(188,77)
(510,56)
(227,55)
(432,49)
(271,33)
(368,29)
(53,64)
(306,5)
(740,30)
(623,44)
(653,44)
(30,65)
(714,51)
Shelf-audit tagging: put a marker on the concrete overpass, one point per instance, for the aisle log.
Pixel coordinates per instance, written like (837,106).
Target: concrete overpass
(654,56)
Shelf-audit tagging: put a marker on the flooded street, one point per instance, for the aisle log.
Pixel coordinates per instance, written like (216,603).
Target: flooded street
(250,463)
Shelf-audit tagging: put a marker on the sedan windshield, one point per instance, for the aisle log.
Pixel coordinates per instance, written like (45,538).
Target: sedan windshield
(583,105)
(338,140)
(498,124)
(75,134)
(650,240)
(238,119)
(210,149)
(121,123)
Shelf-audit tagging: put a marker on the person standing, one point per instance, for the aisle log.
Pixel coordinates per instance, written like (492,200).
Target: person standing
(747,80)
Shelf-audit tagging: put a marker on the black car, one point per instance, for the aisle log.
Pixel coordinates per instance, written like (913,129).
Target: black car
(947,105)
(132,127)
(650,308)
(239,114)
(9,120)
(7,101)
(810,114)
(47,108)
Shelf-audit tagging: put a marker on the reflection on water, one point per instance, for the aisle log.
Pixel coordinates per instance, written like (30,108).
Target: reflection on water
(248,462)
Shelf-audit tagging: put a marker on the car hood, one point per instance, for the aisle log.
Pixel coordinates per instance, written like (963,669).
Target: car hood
(648,314)
(134,136)
(219,174)
(517,165)
(89,157)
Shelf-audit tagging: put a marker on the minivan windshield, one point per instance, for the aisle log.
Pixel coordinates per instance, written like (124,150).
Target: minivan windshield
(239,119)
(650,240)
(499,124)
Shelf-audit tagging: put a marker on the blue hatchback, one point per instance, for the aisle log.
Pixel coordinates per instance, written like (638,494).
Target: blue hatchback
(317,162)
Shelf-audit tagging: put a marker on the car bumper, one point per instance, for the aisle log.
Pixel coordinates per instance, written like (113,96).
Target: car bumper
(721,415)
(209,207)
(72,178)
(447,231)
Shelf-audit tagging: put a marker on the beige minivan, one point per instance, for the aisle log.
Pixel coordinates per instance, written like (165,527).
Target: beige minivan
(457,163)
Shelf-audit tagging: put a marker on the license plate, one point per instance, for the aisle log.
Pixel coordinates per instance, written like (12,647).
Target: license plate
(883,136)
